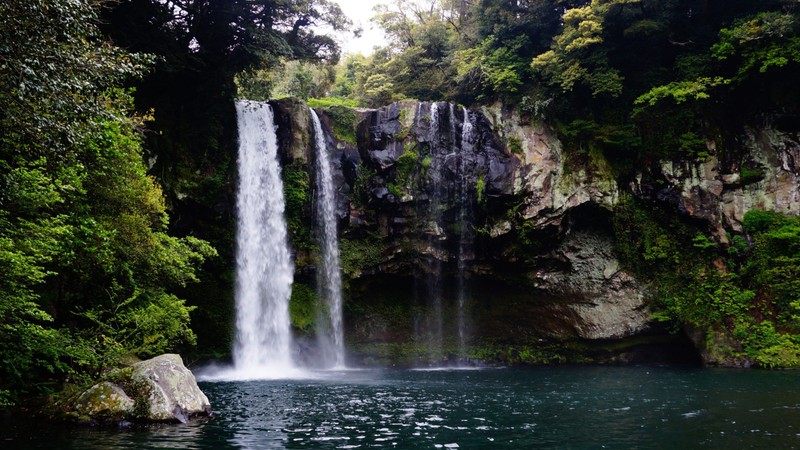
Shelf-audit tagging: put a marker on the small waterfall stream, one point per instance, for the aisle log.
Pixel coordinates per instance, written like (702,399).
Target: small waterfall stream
(435,322)
(465,227)
(264,269)
(452,164)
(329,278)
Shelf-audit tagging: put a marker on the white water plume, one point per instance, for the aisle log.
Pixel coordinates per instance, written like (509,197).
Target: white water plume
(264,268)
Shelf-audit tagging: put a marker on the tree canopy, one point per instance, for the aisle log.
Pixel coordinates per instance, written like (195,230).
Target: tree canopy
(636,79)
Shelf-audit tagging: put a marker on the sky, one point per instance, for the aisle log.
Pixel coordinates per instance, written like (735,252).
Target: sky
(360,11)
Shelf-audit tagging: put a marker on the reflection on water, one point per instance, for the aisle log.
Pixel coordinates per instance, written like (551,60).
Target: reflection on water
(575,407)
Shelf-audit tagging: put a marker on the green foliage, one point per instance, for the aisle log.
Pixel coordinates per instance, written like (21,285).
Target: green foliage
(765,41)
(493,67)
(346,76)
(692,144)
(303,307)
(770,348)
(90,272)
(394,190)
(55,68)
(378,90)
(759,221)
(407,165)
(702,242)
(776,262)
(515,145)
(751,175)
(104,265)
(327,102)
(738,246)
(682,91)
(427,160)
(144,325)
(365,174)
(529,242)
(577,56)
(480,190)
(758,304)
(540,353)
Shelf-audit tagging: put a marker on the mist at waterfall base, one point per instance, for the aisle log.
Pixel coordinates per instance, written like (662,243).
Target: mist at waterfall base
(550,407)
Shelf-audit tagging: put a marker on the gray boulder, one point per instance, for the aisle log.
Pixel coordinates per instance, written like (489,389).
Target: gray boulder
(171,389)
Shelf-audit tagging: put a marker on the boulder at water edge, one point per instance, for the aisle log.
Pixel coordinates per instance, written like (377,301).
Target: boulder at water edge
(173,394)
(104,401)
(161,389)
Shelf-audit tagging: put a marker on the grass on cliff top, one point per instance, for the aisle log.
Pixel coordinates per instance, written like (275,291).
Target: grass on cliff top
(342,115)
(328,102)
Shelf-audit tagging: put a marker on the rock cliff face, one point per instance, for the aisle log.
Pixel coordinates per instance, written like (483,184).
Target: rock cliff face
(719,191)
(464,231)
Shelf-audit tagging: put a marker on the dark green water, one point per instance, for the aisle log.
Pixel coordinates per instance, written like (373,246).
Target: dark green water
(574,407)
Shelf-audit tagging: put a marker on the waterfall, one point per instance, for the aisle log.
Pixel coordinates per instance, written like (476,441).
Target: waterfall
(465,237)
(329,279)
(264,267)
(451,177)
(436,322)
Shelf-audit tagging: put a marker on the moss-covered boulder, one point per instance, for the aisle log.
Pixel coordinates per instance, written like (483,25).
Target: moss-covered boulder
(171,390)
(104,401)
(161,389)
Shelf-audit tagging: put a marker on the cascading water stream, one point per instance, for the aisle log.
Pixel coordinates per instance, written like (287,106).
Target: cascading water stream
(436,322)
(329,279)
(456,158)
(465,241)
(264,269)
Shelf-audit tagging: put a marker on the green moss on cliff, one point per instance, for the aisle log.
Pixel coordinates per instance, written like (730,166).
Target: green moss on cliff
(515,145)
(297,193)
(357,255)
(343,122)
(303,307)
(364,175)
(750,175)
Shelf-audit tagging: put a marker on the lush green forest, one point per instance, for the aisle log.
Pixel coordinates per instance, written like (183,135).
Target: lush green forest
(87,89)
(636,79)
(117,150)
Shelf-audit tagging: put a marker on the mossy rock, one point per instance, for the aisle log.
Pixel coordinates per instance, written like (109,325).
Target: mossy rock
(160,389)
(104,401)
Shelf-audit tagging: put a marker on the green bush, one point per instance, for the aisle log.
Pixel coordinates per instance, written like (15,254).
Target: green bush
(297,195)
(757,220)
(358,255)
